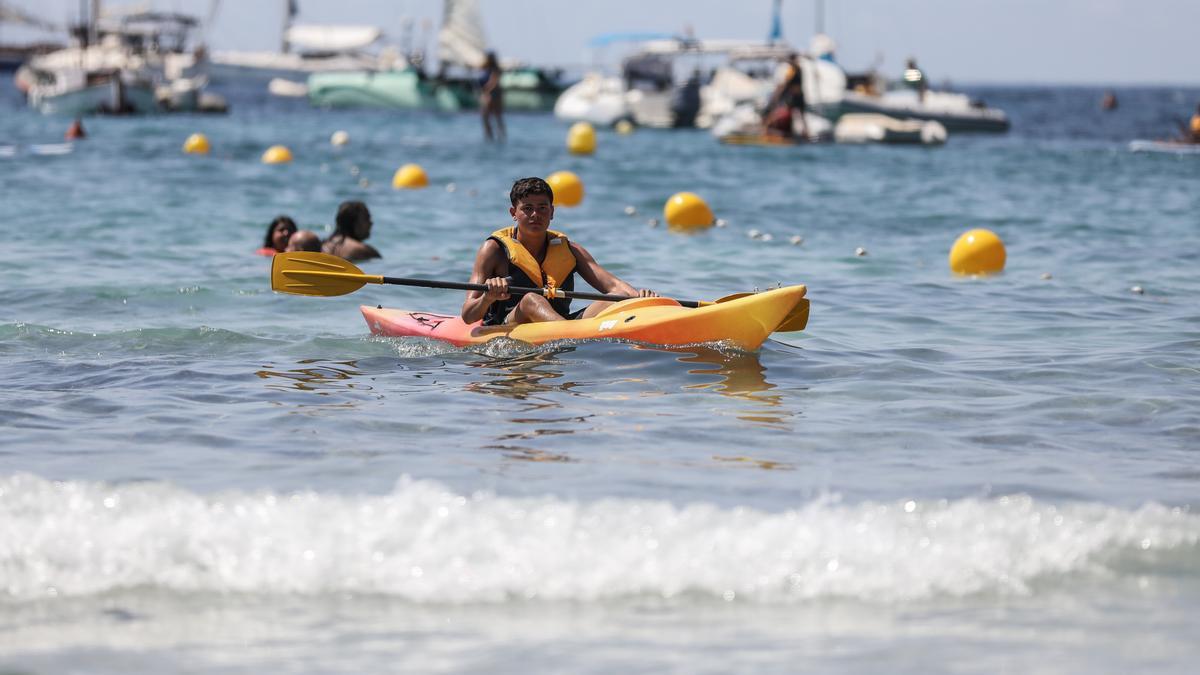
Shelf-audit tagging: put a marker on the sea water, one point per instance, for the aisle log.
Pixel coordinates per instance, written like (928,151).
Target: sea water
(939,473)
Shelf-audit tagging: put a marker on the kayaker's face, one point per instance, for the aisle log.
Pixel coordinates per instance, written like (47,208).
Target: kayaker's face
(533,214)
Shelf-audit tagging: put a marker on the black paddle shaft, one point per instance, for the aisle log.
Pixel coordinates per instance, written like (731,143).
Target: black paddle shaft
(515,290)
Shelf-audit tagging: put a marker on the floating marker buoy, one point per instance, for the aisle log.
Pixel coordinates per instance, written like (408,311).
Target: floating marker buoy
(568,189)
(581,139)
(685,210)
(196,144)
(631,210)
(277,154)
(977,252)
(624,127)
(796,240)
(410,177)
(339,138)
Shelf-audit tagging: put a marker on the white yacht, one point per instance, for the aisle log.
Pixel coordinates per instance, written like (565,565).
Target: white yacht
(681,82)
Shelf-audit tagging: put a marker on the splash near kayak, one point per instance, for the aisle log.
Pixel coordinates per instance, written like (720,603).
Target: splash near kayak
(744,321)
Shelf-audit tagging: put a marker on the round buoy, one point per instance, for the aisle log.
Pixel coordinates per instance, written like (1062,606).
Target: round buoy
(196,144)
(685,210)
(277,154)
(581,139)
(339,138)
(568,189)
(624,127)
(410,177)
(977,252)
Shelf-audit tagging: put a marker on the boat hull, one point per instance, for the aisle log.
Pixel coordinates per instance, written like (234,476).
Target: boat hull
(745,322)
(953,118)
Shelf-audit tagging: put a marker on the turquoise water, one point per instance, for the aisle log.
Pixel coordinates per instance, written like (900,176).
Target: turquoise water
(197,474)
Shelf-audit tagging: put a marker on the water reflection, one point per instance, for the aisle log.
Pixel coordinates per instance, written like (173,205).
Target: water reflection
(324,379)
(738,375)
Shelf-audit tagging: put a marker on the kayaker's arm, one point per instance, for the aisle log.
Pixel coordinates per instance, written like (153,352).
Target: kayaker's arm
(601,279)
(485,271)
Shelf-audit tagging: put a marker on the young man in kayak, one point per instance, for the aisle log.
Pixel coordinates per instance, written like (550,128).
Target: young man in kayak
(534,256)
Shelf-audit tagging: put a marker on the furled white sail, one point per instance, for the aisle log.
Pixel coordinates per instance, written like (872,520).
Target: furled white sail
(461,40)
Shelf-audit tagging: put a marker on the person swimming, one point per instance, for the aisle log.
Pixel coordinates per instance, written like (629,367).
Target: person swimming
(304,240)
(278,233)
(353,227)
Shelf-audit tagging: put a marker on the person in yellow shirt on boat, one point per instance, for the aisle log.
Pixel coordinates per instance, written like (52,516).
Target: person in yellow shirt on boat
(535,256)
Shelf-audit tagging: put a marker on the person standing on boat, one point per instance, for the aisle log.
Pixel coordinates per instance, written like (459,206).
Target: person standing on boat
(534,256)
(353,227)
(915,79)
(787,98)
(491,99)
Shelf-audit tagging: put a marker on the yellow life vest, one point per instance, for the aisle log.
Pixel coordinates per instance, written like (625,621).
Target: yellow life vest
(554,271)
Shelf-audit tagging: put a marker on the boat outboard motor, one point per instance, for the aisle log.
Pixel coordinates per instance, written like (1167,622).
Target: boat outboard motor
(685,102)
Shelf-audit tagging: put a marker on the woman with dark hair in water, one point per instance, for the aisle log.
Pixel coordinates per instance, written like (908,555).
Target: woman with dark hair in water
(278,233)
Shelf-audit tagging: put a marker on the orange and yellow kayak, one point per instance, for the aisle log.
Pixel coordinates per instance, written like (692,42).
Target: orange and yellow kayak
(744,321)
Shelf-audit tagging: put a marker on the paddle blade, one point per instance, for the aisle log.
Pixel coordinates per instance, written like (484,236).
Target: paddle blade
(311,273)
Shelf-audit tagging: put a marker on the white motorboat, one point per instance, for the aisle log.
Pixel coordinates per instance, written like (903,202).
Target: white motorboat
(955,111)
(122,64)
(308,49)
(681,82)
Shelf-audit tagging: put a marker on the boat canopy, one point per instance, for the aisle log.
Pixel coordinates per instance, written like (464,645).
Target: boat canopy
(607,39)
(332,38)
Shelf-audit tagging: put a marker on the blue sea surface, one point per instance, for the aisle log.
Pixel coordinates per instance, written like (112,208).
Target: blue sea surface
(940,473)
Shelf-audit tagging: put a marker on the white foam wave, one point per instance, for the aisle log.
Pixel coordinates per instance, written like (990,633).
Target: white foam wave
(425,543)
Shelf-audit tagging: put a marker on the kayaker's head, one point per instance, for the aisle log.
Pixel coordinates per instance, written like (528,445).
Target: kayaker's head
(279,232)
(532,205)
(353,220)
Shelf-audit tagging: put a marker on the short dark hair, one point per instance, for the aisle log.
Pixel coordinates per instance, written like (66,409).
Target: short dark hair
(348,216)
(527,187)
(279,220)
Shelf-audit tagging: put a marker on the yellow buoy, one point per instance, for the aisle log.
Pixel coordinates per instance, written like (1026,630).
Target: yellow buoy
(685,210)
(624,127)
(581,139)
(410,177)
(277,154)
(339,138)
(196,144)
(568,189)
(977,252)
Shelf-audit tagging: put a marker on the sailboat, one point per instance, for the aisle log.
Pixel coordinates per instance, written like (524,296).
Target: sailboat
(461,51)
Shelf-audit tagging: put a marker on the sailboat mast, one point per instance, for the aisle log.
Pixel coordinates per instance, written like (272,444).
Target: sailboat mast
(820,23)
(289,11)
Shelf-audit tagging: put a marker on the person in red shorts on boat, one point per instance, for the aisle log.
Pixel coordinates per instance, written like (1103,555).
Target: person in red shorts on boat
(787,99)
(535,256)
(279,232)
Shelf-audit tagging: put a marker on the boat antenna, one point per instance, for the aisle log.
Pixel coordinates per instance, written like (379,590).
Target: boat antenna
(776,34)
